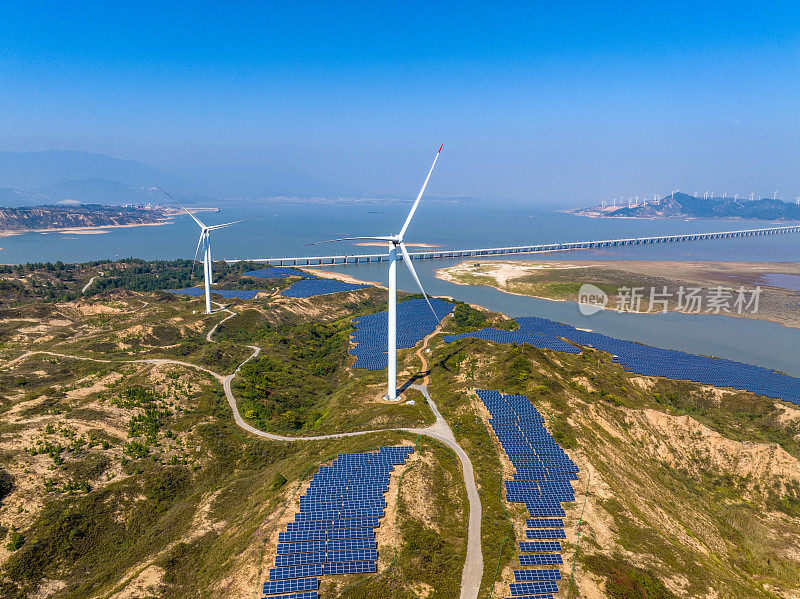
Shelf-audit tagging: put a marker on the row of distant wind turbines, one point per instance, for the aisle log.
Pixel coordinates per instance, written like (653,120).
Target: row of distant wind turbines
(394,243)
(633,202)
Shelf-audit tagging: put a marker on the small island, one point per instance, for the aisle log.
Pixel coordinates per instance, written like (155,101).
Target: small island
(683,206)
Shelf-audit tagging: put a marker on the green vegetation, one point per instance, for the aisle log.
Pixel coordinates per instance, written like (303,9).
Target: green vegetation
(624,581)
(300,365)
(132,465)
(6,484)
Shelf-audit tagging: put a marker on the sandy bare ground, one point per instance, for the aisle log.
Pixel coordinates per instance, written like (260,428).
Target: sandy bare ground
(85,230)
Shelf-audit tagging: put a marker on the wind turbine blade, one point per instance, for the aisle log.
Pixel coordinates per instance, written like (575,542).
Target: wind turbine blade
(199,242)
(197,220)
(212,227)
(419,196)
(386,239)
(410,266)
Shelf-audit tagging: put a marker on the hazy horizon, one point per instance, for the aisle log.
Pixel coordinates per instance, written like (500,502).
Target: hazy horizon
(553,105)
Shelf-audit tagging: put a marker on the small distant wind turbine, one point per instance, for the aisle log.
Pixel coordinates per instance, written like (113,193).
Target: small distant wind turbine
(395,243)
(752,196)
(775,196)
(205,241)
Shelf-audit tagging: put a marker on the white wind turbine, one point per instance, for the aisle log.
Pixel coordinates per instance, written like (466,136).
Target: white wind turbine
(205,241)
(395,243)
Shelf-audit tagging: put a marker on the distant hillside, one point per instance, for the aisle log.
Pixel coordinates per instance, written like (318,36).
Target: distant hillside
(682,205)
(70,217)
(55,176)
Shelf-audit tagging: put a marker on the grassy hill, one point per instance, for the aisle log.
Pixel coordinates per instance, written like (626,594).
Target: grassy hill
(122,479)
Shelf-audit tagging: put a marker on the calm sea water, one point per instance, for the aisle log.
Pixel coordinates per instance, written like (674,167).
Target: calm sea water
(285,229)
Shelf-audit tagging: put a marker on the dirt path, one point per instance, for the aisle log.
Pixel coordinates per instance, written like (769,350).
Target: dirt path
(439,430)
(89,284)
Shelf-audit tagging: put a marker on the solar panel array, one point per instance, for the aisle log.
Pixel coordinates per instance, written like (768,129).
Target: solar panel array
(518,337)
(226,293)
(414,322)
(647,360)
(278,272)
(315,287)
(542,481)
(334,531)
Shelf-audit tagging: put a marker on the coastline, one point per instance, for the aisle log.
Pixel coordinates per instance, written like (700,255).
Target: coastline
(91,230)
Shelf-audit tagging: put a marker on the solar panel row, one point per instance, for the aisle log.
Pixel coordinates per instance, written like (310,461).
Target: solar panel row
(647,360)
(315,287)
(542,474)
(226,293)
(278,272)
(414,322)
(334,531)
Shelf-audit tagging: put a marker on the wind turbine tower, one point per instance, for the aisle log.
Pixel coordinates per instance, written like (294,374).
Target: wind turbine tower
(395,243)
(205,241)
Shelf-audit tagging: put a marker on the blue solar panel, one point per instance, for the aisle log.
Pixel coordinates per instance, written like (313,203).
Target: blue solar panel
(540,559)
(277,272)
(350,567)
(527,575)
(535,587)
(540,546)
(354,555)
(315,287)
(303,595)
(226,293)
(295,571)
(301,547)
(342,544)
(351,533)
(334,531)
(299,559)
(541,533)
(544,523)
(302,535)
(649,361)
(290,586)
(414,322)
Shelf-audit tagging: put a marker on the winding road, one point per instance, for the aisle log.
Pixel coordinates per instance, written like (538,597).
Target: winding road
(440,430)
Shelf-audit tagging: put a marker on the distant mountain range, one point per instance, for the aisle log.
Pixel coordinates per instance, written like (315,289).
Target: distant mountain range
(682,205)
(55,176)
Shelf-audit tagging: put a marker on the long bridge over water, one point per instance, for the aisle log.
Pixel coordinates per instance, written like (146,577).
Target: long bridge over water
(520,249)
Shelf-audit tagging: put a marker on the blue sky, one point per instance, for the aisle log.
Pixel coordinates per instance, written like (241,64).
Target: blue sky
(541,102)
